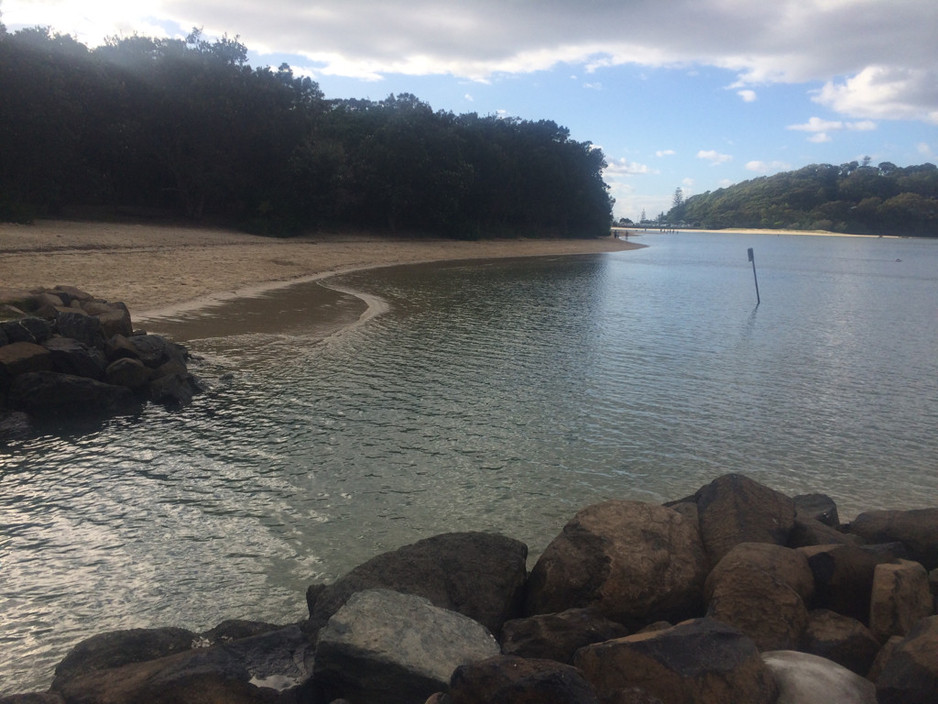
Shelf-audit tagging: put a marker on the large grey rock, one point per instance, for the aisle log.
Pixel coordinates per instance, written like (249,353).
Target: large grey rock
(114,317)
(735,509)
(128,372)
(910,674)
(633,562)
(480,575)
(842,639)
(809,531)
(700,661)
(916,529)
(508,679)
(78,325)
(395,648)
(761,589)
(33,698)
(899,598)
(808,679)
(27,329)
(557,636)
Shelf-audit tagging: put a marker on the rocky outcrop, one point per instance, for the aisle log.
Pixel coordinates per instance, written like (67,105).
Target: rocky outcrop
(630,561)
(66,356)
(914,529)
(413,625)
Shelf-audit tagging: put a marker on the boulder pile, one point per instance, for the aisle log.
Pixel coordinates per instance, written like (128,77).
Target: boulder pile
(65,355)
(737,593)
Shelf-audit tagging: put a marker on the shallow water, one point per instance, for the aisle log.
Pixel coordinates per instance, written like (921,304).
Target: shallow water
(491,396)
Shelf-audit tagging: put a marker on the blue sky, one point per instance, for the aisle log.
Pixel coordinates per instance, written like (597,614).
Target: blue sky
(696,94)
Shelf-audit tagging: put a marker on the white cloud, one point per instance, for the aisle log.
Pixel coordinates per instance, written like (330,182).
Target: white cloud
(624,167)
(469,97)
(714,157)
(593,86)
(820,128)
(875,58)
(665,152)
(923,148)
(748,96)
(765,167)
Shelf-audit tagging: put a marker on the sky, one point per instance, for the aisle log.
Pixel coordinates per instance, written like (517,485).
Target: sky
(689,94)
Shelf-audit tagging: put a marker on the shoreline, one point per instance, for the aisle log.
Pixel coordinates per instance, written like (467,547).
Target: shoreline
(160,271)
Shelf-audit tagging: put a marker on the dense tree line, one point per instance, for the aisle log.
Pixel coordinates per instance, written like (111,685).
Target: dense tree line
(160,127)
(853,197)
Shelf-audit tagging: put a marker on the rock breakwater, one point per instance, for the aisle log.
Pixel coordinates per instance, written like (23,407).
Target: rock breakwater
(68,356)
(737,593)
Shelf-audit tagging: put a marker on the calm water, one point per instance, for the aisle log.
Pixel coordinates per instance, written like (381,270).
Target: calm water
(499,396)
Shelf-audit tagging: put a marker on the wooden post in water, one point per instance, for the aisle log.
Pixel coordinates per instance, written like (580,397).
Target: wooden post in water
(752,258)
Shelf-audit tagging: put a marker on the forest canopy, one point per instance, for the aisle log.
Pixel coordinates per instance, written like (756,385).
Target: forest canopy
(145,127)
(853,197)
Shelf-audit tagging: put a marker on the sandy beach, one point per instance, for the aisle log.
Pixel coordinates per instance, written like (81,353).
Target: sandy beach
(157,269)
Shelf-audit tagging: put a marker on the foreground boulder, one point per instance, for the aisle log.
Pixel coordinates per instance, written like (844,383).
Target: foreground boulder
(900,596)
(909,674)
(809,679)
(395,648)
(480,575)
(51,396)
(842,639)
(633,562)
(507,679)
(698,661)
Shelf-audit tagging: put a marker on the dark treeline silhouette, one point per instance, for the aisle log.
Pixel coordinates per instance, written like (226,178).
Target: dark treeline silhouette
(146,127)
(853,197)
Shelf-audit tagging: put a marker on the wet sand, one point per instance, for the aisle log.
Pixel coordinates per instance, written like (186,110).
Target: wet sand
(162,271)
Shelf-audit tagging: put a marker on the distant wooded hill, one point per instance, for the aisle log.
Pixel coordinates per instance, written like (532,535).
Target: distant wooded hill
(188,129)
(863,199)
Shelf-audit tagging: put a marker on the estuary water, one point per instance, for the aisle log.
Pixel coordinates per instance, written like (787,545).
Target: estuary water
(498,396)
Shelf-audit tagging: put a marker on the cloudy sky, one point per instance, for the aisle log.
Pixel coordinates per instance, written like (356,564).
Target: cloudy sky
(695,94)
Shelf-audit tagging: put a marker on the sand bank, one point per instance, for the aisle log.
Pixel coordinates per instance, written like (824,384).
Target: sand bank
(159,269)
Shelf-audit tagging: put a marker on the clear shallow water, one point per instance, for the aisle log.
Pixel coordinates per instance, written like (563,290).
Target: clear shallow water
(500,396)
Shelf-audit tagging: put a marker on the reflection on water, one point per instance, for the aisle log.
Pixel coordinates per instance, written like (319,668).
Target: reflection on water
(499,396)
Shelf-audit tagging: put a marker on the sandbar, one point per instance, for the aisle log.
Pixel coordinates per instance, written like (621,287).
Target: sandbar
(158,270)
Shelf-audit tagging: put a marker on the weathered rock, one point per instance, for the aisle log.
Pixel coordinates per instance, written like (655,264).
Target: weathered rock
(808,679)
(114,317)
(631,561)
(808,531)
(480,575)
(395,648)
(819,507)
(209,675)
(27,329)
(73,357)
(557,636)
(735,509)
(128,372)
(117,648)
(33,698)
(917,530)
(237,629)
(245,671)
(23,357)
(882,657)
(175,390)
(841,639)
(506,679)
(786,565)
(933,585)
(698,661)
(53,395)
(68,294)
(14,425)
(900,597)
(154,350)
(843,577)
(78,325)
(910,674)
